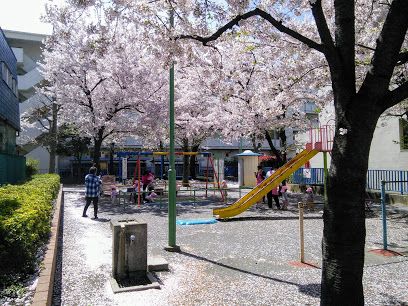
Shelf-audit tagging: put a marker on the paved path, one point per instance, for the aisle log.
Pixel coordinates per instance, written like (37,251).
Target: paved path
(241,262)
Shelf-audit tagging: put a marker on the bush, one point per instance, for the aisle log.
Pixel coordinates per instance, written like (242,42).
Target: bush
(25,212)
(32,167)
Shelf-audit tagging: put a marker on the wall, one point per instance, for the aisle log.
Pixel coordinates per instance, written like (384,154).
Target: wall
(385,150)
(42,156)
(8,100)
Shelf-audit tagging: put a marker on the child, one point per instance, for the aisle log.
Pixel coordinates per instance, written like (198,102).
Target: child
(114,193)
(151,197)
(260,176)
(224,187)
(285,200)
(309,198)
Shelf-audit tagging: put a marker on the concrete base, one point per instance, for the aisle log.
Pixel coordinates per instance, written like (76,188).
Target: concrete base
(157,263)
(175,248)
(154,284)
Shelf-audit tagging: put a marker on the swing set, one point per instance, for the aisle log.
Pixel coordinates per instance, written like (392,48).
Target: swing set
(137,171)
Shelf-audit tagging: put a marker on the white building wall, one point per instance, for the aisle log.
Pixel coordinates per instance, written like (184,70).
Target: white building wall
(385,152)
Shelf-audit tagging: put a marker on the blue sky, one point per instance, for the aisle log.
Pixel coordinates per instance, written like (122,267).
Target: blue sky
(23,15)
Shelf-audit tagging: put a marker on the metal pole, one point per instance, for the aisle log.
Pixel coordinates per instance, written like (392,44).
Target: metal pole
(301,233)
(401,183)
(161,166)
(326,174)
(384,215)
(172,170)
(206,177)
(138,180)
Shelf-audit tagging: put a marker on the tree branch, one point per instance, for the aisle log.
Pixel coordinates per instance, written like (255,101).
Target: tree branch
(365,47)
(387,53)
(255,12)
(252,70)
(322,27)
(97,84)
(396,96)
(402,58)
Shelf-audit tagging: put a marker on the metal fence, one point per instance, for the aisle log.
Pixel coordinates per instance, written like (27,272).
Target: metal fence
(308,176)
(12,168)
(396,178)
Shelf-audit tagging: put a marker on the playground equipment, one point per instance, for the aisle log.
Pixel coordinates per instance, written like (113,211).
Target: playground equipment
(247,162)
(320,141)
(137,171)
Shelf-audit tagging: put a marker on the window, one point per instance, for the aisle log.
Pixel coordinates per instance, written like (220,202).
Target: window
(403,134)
(7,77)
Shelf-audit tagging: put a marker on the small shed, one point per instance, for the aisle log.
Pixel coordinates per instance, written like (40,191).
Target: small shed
(247,167)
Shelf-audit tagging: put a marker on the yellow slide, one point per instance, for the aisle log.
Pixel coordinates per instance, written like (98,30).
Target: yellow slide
(256,194)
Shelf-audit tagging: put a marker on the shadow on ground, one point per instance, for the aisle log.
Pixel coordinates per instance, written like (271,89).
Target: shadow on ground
(308,289)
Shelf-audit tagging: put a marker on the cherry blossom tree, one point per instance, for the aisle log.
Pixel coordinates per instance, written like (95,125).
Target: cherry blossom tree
(103,82)
(364,47)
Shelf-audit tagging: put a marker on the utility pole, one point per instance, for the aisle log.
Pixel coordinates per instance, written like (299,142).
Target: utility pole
(172,247)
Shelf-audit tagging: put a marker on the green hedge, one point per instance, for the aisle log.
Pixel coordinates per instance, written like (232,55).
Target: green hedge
(25,212)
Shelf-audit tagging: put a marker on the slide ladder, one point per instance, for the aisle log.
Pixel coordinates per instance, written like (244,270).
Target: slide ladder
(257,193)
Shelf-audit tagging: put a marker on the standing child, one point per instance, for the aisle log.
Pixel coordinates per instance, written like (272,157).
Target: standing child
(285,200)
(224,187)
(114,193)
(309,198)
(260,176)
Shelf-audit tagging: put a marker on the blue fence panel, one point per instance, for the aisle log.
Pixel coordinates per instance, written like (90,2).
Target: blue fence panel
(398,179)
(308,176)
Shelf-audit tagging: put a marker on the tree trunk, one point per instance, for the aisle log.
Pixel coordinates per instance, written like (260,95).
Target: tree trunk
(274,151)
(54,140)
(51,164)
(282,137)
(193,159)
(186,164)
(97,151)
(344,213)
(79,158)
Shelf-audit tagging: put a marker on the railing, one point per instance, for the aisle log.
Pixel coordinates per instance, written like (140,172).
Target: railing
(321,138)
(395,178)
(12,168)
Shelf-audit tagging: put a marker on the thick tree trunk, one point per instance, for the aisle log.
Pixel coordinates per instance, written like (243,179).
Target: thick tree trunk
(186,164)
(193,159)
(344,214)
(51,164)
(97,147)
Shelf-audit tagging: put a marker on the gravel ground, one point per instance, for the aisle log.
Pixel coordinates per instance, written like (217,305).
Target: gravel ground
(241,262)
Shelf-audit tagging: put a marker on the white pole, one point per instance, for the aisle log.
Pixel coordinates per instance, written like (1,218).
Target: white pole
(301,233)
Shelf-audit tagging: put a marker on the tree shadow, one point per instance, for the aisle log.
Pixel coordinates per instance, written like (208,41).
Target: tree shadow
(392,300)
(260,218)
(312,290)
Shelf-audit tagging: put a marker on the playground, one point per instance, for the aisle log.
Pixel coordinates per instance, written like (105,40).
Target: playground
(252,259)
